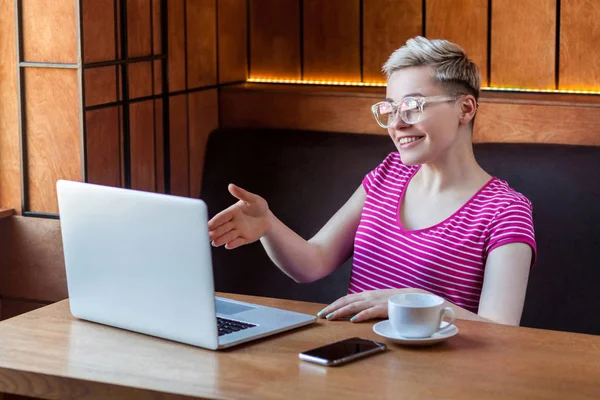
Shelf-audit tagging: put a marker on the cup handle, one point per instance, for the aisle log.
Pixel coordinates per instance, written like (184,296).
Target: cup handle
(443,312)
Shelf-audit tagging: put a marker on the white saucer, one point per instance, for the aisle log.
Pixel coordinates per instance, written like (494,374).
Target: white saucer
(384,328)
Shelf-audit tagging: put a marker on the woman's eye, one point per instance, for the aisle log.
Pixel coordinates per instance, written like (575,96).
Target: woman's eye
(385,108)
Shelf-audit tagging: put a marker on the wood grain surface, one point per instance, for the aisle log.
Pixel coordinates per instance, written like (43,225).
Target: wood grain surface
(98,30)
(50,354)
(142,147)
(204,118)
(10,179)
(387,24)
(52,134)
(103,144)
(232,40)
(331,40)
(579,38)
(176,42)
(179,145)
(275,39)
(201,16)
(49,31)
(509,118)
(523,48)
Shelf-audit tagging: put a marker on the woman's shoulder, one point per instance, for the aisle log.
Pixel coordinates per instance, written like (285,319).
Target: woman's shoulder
(501,194)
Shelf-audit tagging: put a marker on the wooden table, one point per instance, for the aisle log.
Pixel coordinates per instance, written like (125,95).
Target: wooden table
(47,353)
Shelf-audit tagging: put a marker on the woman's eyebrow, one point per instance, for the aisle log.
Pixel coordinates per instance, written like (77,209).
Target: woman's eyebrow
(413,94)
(406,95)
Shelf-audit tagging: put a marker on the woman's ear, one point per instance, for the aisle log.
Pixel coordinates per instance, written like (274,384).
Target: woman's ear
(468,108)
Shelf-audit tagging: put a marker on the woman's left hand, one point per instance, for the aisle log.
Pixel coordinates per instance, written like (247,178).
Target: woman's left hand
(364,306)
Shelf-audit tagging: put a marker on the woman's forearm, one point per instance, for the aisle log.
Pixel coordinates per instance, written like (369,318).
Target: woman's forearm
(462,313)
(299,259)
(459,312)
(310,260)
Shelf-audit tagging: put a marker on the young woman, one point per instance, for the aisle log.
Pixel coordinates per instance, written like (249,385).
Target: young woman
(427,219)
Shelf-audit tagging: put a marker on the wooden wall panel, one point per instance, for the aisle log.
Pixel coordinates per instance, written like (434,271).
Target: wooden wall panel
(156,25)
(49,31)
(332,40)
(464,23)
(579,38)
(156,46)
(329,112)
(118,12)
(139,35)
(157,73)
(98,24)
(516,62)
(142,146)
(52,134)
(179,145)
(159,145)
(103,147)
(10,180)
(35,269)
(537,123)
(511,120)
(140,79)
(201,43)
(232,40)
(122,146)
(275,39)
(204,118)
(176,47)
(387,24)
(100,85)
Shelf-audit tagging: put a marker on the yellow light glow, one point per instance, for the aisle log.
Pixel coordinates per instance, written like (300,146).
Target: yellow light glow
(316,82)
(383,84)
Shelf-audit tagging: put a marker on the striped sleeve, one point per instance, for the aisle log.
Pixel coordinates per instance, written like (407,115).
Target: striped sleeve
(514,224)
(370,178)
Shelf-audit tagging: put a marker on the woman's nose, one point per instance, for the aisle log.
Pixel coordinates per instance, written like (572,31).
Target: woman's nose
(398,123)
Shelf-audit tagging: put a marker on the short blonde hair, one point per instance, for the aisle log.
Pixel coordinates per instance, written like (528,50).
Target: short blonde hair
(452,67)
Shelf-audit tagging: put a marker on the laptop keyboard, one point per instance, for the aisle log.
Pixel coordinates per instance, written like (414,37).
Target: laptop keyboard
(227,326)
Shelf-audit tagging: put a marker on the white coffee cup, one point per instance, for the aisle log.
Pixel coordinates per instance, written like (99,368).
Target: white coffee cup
(417,315)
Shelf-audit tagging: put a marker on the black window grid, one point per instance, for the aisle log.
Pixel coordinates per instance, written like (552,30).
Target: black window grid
(123,101)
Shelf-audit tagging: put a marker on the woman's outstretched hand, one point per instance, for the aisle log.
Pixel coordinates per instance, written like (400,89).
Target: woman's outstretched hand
(244,222)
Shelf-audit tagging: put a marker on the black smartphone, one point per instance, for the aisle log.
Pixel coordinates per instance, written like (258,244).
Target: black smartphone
(343,351)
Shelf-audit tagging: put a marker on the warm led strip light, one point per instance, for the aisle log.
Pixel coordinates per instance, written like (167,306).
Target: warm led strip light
(382,84)
(314,82)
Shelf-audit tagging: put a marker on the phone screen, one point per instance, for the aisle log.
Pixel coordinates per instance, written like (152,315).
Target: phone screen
(345,350)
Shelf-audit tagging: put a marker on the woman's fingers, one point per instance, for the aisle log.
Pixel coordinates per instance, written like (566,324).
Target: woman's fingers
(348,310)
(221,218)
(236,243)
(339,303)
(221,230)
(226,238)
(378,311)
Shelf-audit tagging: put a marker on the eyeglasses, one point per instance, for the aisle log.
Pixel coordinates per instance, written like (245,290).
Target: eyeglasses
(410,109)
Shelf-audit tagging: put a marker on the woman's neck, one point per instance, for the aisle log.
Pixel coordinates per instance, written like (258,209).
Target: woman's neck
(456,170)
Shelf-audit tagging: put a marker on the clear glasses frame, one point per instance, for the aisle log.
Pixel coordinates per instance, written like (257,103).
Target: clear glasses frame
(409,108)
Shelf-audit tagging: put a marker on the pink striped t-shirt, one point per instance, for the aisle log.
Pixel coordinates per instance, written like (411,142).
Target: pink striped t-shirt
(447,259)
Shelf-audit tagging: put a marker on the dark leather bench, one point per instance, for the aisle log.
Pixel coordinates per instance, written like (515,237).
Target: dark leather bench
(307,176)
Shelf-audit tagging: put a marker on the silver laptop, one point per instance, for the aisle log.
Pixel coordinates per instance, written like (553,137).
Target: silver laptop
(141,261)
